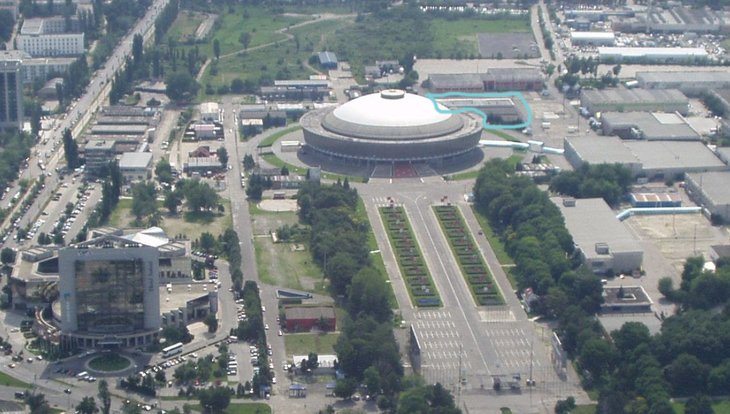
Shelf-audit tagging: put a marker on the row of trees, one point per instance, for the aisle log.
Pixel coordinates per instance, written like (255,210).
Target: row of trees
(366,349)
(607,181)
(633,371)
(15,149)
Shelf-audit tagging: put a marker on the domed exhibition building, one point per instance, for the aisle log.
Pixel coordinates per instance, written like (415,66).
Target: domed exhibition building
(390,126)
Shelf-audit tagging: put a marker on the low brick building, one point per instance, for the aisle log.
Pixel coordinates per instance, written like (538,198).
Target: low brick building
(304,318)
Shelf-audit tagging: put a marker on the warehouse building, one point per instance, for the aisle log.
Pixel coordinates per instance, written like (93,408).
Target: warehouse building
(602,150)
(691,83)
(650,126)
(661,160)
(629,100)
(711,190)
(327,60)
(605,245)
(667,55)
(656,160)
(498,110)
(450,82)
(494,80)
(135,166)
(210,112)
(592,38)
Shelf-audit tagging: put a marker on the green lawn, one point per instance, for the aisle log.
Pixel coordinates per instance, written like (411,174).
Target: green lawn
(375,258)
(451,36)
(721,407)
(584,409)
(241,408)
(502,134)
(9,381)
(185,25)
(279,265)
(293,169)
(466,175)
(188,224)
(271,139)
(284,60)
(109,362)
(304,343)
(494,241)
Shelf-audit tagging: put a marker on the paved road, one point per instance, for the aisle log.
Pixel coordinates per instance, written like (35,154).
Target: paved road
(481,341)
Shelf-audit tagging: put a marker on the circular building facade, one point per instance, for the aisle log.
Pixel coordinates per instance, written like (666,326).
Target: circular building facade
(390,126)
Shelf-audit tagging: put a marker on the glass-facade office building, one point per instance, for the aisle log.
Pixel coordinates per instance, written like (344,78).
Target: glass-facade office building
(109,294)
(11,94)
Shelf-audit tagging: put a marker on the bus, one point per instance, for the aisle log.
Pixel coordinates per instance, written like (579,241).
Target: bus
(172,350)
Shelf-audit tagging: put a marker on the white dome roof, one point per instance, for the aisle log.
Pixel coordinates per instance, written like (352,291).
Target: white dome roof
(391,108)
(391,115)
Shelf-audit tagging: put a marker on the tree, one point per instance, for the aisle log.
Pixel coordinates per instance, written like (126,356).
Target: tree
(144,200)
(216,399)
(217,49)
(6,25)
(211,322)
(180,86)
(222,156)
(248,162)
(245,39)
(71,149)
(87,406)
(37,403)
(207,242)
(137,49)
(104,396)
(372,380)
(7,256)
(687,375)
(284,170)
(597,356)
(312,361)
(565,406)
(173,199)
(699,404)
(163,171)
(666,287)
(368,294)
(344,388)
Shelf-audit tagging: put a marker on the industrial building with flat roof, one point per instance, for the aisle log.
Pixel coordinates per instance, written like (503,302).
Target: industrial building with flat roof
(498,110)
(603,242)
(592,38)
(668,159)
(657,160)
(494,80)
(135,166)
(628,100)
(600,150)
(711,190)
(648,126)
(691,83)
(668,55)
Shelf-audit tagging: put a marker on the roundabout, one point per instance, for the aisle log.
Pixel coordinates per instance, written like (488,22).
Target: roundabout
(109,362)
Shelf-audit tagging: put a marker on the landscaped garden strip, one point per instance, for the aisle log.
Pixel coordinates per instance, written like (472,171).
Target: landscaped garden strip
(471,263)
(410,260)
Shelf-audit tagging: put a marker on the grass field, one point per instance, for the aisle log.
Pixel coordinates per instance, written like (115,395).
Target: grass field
(720,407)
(8,381)
(241,408)
(502,134)
(271,139)
(192,225)
(278,163)
(109,362)
(304,343)
(494,241)
(279,265)
(584,409)
(278,61)
(376,258)
(185,25)
(451,36)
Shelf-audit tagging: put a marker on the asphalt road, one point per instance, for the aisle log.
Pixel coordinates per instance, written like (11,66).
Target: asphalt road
(460,337)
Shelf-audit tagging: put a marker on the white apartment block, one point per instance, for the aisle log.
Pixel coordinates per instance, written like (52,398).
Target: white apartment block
(63,44)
